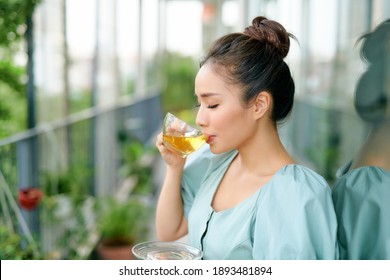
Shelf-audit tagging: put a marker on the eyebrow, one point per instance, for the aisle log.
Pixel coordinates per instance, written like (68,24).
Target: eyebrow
(208,94)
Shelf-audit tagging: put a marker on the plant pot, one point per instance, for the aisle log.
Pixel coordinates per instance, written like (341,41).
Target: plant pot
(29,198)
(108,251)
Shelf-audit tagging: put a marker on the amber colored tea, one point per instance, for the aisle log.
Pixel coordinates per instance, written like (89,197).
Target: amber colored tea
(184,144)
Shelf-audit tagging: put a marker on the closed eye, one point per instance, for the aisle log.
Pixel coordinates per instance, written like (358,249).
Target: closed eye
(208,106)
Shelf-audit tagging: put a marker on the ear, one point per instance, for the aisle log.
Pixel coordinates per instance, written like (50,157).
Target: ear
(262,104)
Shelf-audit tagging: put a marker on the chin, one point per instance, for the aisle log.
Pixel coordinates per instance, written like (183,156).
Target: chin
(218,151)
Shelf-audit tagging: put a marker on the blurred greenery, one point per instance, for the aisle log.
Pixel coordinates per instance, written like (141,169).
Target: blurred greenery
(13,17)
(63,208)
(135,164)
(123,222)
(73,182)
(177,82)
(14,246)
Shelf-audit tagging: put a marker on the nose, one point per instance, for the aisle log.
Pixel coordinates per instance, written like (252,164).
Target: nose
(201,118)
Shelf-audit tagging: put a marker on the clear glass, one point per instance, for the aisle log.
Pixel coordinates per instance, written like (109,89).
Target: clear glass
(156,250)
(180,136)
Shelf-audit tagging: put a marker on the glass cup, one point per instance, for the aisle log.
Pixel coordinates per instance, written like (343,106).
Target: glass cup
(156,250)
(180,136)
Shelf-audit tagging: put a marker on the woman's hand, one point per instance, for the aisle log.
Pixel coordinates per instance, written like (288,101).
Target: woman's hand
(170,157)
(170,221)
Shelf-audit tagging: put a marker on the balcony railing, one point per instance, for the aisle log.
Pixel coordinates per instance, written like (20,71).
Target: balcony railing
(83,150)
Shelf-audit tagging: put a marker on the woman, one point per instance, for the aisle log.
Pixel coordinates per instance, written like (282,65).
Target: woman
(243,196)
(362,194)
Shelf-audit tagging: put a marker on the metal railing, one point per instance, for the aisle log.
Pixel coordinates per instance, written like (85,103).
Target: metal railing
(86,147)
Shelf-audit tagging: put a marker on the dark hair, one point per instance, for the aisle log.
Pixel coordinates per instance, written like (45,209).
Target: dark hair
(254,59)
(376,44)
(371,98)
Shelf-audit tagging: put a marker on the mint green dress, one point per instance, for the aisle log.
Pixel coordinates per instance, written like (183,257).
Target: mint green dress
(290,217)
(362,204)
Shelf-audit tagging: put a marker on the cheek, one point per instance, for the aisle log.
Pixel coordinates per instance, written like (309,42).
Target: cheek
(230,122)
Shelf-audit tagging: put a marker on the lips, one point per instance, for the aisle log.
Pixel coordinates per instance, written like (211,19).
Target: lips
(209,138)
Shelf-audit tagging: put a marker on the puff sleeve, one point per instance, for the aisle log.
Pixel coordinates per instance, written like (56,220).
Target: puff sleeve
(296,218)
(362,204)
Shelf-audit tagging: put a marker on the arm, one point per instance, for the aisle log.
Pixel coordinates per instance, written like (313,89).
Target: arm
(170,221)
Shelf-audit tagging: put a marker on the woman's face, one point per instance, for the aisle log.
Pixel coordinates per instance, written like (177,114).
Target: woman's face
(224,120)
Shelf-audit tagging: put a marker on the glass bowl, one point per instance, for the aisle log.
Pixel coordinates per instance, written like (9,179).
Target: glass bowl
(157,250)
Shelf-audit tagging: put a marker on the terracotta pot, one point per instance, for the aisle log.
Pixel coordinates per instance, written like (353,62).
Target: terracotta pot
(114,252)
(29,198)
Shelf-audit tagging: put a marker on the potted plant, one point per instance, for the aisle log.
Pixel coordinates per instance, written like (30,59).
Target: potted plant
(67,213)
(29,197)
(14,246)
(121,224)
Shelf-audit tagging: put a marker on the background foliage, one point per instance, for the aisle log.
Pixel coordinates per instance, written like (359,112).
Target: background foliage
(13,18)
(177,85)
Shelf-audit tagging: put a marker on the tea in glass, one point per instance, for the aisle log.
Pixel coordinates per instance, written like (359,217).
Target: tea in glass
(181,137)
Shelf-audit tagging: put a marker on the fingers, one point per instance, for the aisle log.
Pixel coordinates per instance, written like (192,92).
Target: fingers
(177,127)
(171,158)
(159,141)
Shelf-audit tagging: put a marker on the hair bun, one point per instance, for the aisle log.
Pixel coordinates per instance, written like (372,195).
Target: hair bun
(270,32)
(371,100)
(376,44)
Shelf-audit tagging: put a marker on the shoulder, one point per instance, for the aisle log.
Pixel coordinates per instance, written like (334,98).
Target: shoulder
(301,177)
(366,174)
(299,199)
(363,180)
(300,173)
(295,186)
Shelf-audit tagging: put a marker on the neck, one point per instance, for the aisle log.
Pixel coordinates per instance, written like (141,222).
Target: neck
(376,150)
(264,154)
